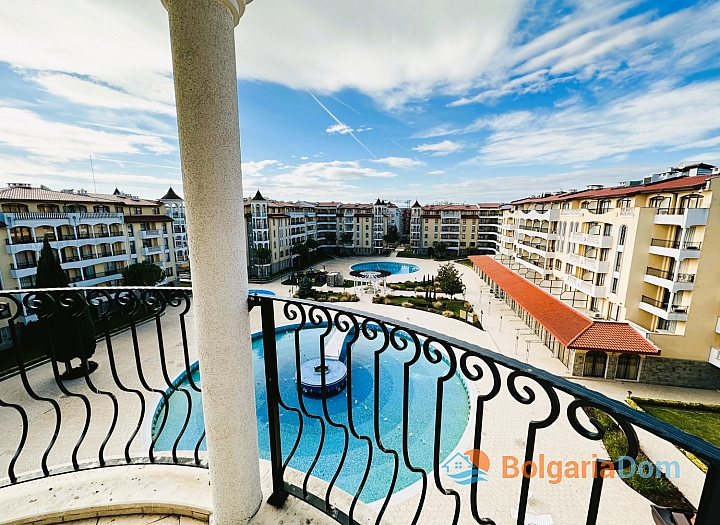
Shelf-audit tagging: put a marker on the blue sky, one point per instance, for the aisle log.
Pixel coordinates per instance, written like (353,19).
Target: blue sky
(462,100)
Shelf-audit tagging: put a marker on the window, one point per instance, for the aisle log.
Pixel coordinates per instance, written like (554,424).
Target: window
(156,211)
(119,209)
(623,233)
(623,203)
(600,279)
(15,208)
(628,366)
(658,202)
(169,272)
(691,201)
(585,205)
(132,248)
(131,230)
(136,210)
(164,228)
(607,230)
(615,285)
(426,236)
(101,209)
(595,364)
(27,282)
(618,261)
(48,208)
(667,326)
(604,206)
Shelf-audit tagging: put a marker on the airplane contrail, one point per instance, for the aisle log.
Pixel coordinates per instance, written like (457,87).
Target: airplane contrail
(342,124)
(346,105)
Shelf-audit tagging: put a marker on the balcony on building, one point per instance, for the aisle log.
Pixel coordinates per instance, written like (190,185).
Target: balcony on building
(539,230)
(668,280)
(150,234)
(149,250)
(586,287)
(543,250)
(664,309)
(682,217)
(589,263)
(588,239)
(540,214)
(534,264)
(679,250)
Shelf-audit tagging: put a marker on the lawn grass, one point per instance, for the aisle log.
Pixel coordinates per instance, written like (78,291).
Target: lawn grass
(411,255)
(466,262)
(423,304)
(658,490)
(700,423)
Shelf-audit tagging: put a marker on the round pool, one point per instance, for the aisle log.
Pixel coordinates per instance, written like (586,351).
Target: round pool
(421,408)
(260,292)
(392,267)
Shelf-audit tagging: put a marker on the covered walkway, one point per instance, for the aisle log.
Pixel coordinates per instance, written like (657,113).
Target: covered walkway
(612,350)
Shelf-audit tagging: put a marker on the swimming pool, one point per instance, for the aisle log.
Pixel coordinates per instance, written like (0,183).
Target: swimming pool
(260,292)
(392,267)
(422,388)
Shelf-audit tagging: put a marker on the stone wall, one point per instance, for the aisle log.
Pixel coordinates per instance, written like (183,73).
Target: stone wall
(679,372)
(611,367)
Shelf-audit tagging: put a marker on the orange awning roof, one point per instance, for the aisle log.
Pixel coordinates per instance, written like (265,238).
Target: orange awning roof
(567,325)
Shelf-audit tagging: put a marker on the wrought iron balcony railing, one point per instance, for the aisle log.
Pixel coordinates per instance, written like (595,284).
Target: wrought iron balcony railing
(102,416)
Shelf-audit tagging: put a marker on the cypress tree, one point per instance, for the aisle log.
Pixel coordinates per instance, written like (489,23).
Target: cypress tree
(68,331)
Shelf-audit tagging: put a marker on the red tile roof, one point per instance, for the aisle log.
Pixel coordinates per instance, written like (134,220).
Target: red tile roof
(679,183)
(564,322)
(567,325)
(609,336)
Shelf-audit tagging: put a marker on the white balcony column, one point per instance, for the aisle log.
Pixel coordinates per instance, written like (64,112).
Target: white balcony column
(203,51)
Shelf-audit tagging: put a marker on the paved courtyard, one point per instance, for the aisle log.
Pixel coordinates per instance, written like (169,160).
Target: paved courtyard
(504,427)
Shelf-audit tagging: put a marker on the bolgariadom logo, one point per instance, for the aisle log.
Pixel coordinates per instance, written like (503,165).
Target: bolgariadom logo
(467,468)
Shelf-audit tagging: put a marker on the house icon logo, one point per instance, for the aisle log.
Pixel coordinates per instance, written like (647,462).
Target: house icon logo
(467,468)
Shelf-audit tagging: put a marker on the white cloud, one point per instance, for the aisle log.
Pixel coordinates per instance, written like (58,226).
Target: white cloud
(253,169)
(119,46)
(80,91)
(27,131)
(597,42)
(442,44)
(400,162)
(341,180)
(342,129)
(666,117)
(436,172)
(302,158)
(440,148)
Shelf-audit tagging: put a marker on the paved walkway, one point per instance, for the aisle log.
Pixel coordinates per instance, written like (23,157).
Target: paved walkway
(504,430)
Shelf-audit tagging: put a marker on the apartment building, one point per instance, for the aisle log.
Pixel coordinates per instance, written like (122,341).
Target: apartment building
(95,236)
(175,209)
(641,252)
(461,228)
(279,226)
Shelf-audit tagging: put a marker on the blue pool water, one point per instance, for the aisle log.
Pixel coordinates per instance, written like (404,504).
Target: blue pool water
(422,393)
(261,292)
(392,267)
